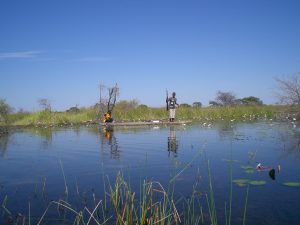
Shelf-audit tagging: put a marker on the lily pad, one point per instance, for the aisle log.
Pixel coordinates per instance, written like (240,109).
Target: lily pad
(241,182)
(230,160)
(249,170)
(247,167)
(257,182)
(292,184)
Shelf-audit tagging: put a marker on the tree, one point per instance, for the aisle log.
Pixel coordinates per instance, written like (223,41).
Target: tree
(289,89)
(197,104)
(45,104)
(142,106)
(213,103)
(185,105)
(225,98)
(73,109)
(251,100)
(4,110)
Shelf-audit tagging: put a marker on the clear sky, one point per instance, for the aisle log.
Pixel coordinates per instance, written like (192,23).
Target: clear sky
(63,50)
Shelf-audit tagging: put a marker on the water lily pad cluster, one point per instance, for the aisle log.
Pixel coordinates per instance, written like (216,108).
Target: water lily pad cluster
(245,182)
(292,184)
(248,169)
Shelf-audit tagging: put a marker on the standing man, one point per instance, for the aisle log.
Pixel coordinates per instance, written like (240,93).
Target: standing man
(171,105)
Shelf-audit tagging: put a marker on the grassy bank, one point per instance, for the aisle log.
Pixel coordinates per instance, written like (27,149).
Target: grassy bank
(242,113)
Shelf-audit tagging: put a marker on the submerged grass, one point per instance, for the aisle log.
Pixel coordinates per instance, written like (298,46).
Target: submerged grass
(246,113)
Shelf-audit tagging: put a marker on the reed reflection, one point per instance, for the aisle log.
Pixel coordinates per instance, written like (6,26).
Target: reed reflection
(3,145)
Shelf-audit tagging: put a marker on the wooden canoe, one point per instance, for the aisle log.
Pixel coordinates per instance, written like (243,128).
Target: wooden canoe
(150,123)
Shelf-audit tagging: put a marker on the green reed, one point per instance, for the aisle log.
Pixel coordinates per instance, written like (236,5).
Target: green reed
(242,113)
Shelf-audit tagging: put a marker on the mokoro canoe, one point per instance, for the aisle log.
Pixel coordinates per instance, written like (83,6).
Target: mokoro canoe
(150,123)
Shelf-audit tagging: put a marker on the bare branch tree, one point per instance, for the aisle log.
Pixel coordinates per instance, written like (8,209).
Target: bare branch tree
(45,104)
(289,89)
(225,98)
(107,100)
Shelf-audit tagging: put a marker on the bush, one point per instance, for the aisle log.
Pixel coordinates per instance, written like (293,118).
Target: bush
(4,111)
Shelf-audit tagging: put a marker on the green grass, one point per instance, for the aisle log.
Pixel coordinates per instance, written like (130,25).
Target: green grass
(240,113)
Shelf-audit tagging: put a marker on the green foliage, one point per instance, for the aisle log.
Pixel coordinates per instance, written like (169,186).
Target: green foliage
(74,109)
(14,117)
(197,104)
(143,106)
(185,105)
(131,112)
(125,104)
(4,111)
(44,115)
(251,100)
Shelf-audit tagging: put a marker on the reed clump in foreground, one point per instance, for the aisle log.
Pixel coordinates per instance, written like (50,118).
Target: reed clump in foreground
(87,116)
(151,204)
(121,205)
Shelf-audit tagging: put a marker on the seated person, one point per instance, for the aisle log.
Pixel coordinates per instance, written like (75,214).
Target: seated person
(107,117)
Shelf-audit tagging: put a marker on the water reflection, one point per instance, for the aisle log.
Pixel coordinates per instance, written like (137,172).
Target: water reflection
(226,131)
(172,142)
(3,145)
(289,142)
(108,140)
(45,135)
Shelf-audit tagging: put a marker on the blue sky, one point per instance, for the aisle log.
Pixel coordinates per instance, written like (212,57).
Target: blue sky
(63,50)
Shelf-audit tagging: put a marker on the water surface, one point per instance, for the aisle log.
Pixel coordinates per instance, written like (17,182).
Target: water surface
(33,163)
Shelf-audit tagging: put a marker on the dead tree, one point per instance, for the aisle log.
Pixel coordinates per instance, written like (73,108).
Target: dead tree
(225,98)
(108,97)
(45,104)
(288,89)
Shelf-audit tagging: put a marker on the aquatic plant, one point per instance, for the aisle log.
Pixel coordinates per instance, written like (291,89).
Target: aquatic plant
(245,182)
(152,204)
(292,184)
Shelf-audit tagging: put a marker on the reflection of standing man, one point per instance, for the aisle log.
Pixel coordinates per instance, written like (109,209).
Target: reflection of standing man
(172,141)
(171,105)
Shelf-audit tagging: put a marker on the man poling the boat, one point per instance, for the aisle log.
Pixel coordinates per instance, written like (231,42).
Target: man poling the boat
(171,106)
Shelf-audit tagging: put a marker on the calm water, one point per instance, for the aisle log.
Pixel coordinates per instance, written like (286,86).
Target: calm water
(31,162)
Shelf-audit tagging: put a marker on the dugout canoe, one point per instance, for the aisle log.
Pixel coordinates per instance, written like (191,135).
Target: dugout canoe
(148,123)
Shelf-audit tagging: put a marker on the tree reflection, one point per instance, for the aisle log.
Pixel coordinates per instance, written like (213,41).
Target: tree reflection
(108,140)
(290,142)
(226,131)
(46,135)
(3,144)
(172,142)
